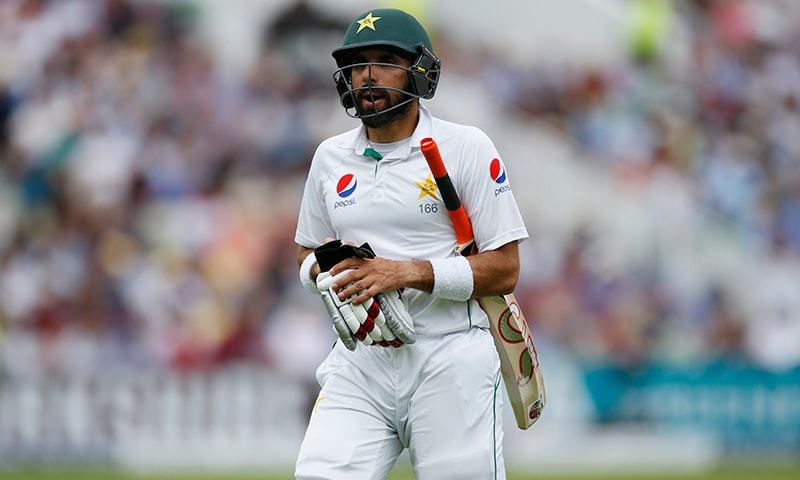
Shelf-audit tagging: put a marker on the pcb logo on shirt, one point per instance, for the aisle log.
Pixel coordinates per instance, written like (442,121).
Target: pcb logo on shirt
(344,188)
(497,172)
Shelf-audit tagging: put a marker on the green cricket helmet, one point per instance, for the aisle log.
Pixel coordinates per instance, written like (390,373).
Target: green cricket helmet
(398,32)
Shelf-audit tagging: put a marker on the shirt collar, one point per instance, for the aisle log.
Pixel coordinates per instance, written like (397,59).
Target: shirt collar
(422,130)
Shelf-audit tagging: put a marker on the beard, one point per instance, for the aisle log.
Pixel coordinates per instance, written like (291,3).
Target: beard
(388,115)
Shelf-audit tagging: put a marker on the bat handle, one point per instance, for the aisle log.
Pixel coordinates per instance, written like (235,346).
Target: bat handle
(464,231)
(461,223)
(431,152)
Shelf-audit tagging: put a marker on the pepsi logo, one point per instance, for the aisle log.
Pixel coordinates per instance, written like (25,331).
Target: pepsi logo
(347,185)
(497,171)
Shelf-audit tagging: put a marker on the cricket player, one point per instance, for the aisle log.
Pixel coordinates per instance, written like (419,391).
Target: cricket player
(429,380)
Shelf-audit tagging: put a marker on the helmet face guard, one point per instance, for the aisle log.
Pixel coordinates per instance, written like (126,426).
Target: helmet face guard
(423,77)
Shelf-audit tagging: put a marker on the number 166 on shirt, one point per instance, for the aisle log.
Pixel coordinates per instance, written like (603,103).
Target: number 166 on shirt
(519,361)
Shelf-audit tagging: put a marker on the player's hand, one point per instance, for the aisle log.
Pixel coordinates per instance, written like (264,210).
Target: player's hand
(369,277)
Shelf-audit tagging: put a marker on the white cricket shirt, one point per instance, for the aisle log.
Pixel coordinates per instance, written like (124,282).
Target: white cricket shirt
(394,204)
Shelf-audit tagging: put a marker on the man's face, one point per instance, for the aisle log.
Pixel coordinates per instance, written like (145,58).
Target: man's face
(381,78)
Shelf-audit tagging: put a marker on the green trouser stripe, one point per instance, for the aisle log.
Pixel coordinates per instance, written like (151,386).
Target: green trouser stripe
(494,423)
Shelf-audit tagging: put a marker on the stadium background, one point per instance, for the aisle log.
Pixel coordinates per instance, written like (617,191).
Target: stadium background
(152,156)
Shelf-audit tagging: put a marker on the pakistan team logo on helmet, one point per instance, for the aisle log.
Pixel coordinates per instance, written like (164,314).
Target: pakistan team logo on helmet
(395,31)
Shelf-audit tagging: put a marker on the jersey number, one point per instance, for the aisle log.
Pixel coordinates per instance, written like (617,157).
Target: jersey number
(428,208)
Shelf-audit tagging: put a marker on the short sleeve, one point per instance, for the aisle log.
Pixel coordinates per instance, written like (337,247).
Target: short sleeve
(487,195)
(313,223)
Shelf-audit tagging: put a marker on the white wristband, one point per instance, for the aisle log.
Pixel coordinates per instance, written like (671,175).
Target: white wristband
(305,273)
(452,278)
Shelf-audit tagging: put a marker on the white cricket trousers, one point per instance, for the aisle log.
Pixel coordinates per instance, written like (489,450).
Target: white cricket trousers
(440,398)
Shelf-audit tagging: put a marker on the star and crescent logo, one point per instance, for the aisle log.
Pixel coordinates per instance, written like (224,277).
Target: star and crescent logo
(367,22)
(428,188)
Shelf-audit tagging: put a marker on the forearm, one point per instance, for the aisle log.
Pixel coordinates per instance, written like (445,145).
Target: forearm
(418,274)
(493,273)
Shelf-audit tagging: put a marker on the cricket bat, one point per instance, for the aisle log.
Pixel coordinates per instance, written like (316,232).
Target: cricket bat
(519,361)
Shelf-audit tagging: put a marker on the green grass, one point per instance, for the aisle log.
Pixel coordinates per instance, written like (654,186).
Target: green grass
(729,473)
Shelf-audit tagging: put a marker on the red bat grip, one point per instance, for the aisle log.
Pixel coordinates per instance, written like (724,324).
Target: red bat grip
(462,225)
(459,217)
(431,152)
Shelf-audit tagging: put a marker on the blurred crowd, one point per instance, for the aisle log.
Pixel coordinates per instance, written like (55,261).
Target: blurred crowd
(147,204)
(700,123)
(148,201)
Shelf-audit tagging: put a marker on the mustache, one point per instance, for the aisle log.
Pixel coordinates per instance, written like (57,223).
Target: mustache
(372,90)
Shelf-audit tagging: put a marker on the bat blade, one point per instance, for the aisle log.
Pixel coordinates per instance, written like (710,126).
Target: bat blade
(519,360)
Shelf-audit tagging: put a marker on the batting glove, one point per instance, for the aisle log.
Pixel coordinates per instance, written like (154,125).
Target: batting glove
(382,320)
(398,321)
(352,323)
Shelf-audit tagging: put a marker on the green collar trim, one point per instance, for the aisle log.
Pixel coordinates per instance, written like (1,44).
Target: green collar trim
(369,152)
